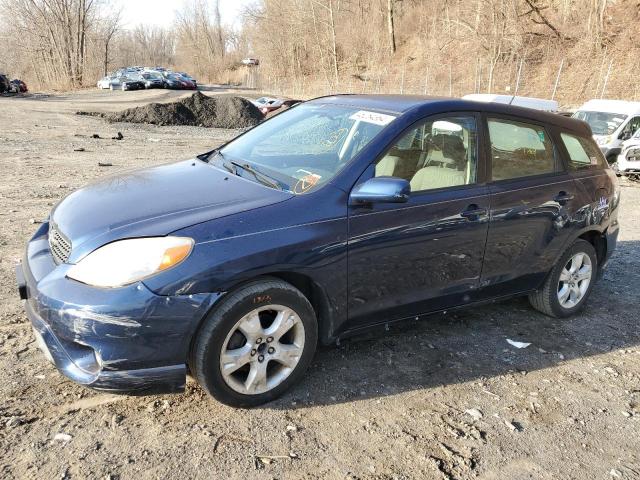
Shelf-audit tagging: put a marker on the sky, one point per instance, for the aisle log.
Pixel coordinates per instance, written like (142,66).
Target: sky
(162,12)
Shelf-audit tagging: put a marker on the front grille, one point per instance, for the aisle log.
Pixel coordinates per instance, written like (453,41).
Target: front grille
(59,245)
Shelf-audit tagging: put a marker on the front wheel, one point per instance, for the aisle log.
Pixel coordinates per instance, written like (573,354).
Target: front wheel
(256,344)
(570,282)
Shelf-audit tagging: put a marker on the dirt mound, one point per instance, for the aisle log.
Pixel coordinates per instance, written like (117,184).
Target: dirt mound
(197,110)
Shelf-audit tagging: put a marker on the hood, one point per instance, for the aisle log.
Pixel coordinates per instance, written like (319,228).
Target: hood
(155,201)
(632,142)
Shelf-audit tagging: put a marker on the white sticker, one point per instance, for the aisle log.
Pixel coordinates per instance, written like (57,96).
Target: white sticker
(373,117)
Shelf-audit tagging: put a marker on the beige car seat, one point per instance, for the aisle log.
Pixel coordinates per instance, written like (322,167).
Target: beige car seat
(387,166)
(437,177)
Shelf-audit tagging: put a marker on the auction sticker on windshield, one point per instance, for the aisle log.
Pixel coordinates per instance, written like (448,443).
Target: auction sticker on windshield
(372,117)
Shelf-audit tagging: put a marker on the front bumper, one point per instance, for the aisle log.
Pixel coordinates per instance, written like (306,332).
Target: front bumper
(624,165)
(126,340)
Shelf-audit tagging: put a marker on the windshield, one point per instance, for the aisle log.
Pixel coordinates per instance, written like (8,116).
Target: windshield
(601,123)
(306,146)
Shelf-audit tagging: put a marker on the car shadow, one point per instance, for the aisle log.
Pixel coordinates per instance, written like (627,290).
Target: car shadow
(468,345)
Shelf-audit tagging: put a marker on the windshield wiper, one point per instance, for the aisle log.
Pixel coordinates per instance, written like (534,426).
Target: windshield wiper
(261,177)
(227,165)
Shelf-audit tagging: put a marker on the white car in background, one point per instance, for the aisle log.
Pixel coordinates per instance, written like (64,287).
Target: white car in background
(628,162)
(107,82)
(268,104)
(612,123)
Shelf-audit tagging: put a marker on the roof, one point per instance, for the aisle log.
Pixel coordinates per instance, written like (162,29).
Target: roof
(404,104)
(529,102)
(612,106)
(386,103)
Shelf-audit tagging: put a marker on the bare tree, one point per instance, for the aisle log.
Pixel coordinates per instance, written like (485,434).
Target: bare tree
(111,26)
(390,26)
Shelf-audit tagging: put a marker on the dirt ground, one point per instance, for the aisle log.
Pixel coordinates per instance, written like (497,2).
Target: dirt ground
(444,398)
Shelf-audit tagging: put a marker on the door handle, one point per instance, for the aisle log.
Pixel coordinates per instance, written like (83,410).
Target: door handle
(563,197)
(473,211)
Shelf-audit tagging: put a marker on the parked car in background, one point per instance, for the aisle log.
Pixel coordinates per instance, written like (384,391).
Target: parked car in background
(268,104)
(131,83)
(5,85)
(233,266)
(106,82)
(19,86)
(173,80)
(628,162)
(188,77)
(250,61)
(612,122)
(528,102)
(188,84)
(152,80)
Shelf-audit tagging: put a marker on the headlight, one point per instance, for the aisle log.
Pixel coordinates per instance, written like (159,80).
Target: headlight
(603,141)
(127,261)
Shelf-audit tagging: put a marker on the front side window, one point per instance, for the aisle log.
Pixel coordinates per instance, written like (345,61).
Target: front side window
(583,154)
(601,123)
(306,146)
(519,150)
(438,154)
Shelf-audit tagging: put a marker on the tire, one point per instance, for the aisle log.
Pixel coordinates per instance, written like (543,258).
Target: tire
(547,298)
(221,328)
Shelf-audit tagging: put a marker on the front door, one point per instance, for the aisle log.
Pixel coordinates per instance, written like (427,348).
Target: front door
(426,254)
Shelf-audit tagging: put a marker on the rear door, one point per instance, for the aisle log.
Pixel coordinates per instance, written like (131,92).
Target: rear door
(426,254)
(533,199)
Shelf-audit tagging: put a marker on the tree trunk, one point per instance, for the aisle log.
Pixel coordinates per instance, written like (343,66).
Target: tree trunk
(390,27)
(334,46)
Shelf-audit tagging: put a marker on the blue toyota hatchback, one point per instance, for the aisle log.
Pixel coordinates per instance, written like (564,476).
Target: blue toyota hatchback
(339,214)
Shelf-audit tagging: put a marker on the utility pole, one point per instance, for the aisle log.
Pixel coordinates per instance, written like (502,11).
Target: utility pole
(555,87)
(518,79)
(606,79)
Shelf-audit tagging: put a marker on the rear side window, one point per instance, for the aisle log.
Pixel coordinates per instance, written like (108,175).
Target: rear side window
(583,154)
(519,150)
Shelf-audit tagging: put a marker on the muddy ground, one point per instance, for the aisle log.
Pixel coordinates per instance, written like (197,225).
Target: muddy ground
(444,398)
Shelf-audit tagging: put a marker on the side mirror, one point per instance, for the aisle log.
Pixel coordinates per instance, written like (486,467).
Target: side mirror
(381,190)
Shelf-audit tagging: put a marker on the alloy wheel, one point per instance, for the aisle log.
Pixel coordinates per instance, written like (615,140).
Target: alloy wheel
(262,349)
(574,281)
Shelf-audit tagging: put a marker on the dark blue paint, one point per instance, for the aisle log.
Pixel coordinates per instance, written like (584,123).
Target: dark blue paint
(360,264)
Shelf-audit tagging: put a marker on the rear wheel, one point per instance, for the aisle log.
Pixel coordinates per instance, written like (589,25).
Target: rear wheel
(570,282)
(256,344)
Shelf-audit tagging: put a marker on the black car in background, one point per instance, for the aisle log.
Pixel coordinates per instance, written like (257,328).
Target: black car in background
(5,85)
(152,80)
(131,83)
(18,86)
